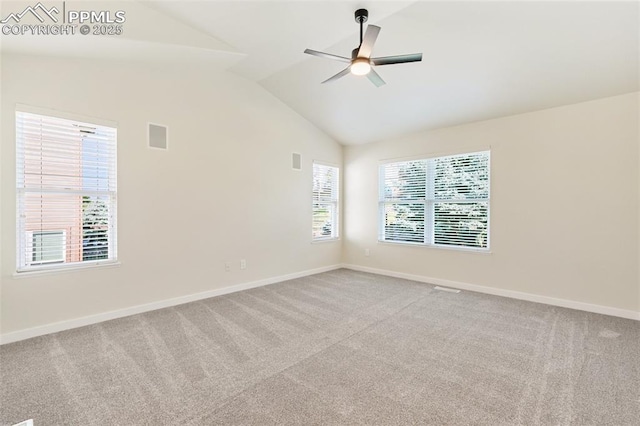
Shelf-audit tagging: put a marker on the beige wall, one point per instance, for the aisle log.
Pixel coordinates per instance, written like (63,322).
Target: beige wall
(224,190)
(564,204)
(564,209)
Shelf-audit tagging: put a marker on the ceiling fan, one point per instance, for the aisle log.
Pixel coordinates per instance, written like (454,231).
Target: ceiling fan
(361,62)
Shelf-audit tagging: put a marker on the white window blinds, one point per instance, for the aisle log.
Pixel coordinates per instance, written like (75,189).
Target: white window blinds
(66,192)
(403,201)
(325,201)
(440,201)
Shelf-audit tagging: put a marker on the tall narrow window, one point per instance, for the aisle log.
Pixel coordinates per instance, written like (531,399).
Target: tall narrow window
(66,192)
(441,201)
(325,201)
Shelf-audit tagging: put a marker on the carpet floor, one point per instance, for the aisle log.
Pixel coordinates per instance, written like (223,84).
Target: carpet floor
(337,348)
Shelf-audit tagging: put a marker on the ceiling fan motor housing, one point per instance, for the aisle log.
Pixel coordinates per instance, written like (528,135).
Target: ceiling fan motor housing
(362,15)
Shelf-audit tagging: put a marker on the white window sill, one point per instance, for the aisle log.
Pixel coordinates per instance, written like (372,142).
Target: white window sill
(64,269)
(437,247)
(324,240)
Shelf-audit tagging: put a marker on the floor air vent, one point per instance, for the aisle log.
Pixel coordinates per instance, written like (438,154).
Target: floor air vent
(448,290)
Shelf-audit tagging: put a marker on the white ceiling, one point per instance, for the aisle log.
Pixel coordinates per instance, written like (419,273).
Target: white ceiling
(481,60)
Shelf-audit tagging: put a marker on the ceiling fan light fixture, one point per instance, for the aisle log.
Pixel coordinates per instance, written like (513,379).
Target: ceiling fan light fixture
(360,66)
(361,63)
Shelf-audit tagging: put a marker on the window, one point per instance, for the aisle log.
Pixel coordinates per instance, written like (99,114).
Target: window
(66,192)
(441,201)
(325,201)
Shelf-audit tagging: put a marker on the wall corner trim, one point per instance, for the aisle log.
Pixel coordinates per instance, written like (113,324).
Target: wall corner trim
(564,303)
(28,333)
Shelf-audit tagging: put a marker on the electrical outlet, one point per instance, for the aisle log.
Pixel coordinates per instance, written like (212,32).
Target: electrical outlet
(243,264)
(366,252)
(227,266)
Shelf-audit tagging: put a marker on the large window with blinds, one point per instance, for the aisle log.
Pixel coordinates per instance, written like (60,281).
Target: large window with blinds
(325,202)
(441,201)
(66,192)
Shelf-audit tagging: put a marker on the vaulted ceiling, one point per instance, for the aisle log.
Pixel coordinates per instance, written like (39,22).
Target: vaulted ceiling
(481,60)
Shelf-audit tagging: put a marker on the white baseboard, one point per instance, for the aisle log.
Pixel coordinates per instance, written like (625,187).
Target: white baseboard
(105,316)
(581,306)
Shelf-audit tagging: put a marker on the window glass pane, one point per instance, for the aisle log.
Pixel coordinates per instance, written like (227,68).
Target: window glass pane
(323,220)
(405,181)
(44,212)
(461,177)
(95,227)
(404,222)
(325,201)
(461,224)
(325,183)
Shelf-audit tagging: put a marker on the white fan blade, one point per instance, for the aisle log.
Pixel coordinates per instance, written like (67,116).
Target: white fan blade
(337,76)
(327,55)
(399,59)
(375,78)
(368,41)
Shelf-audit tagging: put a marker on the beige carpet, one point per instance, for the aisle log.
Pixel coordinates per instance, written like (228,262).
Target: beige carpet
(341,347)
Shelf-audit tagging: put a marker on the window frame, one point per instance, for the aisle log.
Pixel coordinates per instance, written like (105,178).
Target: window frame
(333,203)
(429,202)
(24,238)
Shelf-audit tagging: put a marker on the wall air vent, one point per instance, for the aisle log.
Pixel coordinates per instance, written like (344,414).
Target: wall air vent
(158,136)
(296,161)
